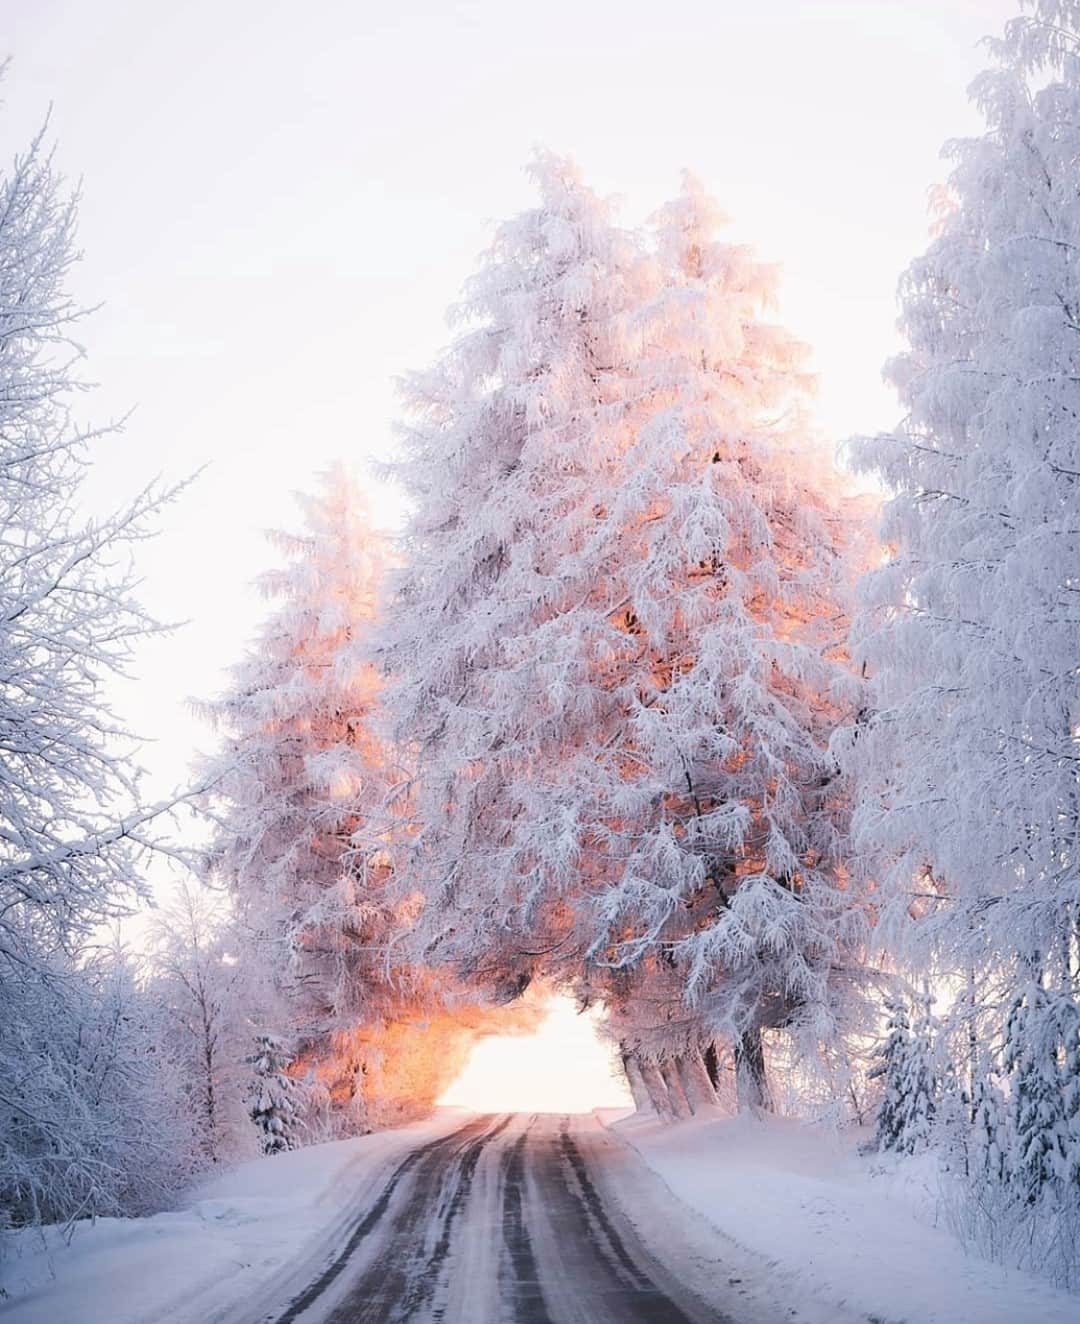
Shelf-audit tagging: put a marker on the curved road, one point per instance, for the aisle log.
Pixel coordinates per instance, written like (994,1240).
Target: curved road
(510,1220)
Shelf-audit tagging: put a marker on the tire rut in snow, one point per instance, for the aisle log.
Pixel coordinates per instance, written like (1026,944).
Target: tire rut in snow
(530,1306)
(424,1285)
(633,1295)
(599,1219)
(402,1282)
(366,1224)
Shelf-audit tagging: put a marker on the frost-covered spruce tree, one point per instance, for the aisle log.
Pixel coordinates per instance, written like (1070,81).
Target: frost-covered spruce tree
(300,782)
(74,827)
(724,556)
(888,1067)
(969,799)
(508,460)
(275,1102)
(1043,1156)
(905,1067)
(305,844)
(988,1141)
(616,637)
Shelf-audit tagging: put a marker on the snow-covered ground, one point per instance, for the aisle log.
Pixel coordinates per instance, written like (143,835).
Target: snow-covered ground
(242,1236)
(838,1227)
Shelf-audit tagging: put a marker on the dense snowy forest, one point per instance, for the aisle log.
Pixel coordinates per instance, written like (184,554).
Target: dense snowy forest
(647,703)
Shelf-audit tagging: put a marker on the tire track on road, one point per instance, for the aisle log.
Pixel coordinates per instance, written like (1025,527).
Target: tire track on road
(367,1223)
(590,1201)
(403,1280)
(530,1307)
(615,1288)
(423,1288)
(532,1237)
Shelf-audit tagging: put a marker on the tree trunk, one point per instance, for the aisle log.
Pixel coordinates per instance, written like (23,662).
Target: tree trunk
(696,1084)
(657,1091)
(711,1059)
(751,1084)
(676,1093)
(636,1080)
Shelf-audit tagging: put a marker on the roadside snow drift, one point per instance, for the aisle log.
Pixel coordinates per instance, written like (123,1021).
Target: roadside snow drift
(243,1235)
(838,1227)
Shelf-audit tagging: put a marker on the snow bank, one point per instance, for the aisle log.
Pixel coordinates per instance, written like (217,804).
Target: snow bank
(235,1235)
(849,1229)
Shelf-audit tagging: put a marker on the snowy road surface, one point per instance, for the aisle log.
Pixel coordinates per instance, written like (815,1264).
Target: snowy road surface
(518,1220)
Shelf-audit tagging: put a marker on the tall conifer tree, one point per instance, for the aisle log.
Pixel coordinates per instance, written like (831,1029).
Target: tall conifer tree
(616,638)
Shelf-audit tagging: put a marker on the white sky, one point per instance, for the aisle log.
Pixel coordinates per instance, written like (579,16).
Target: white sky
(281,199)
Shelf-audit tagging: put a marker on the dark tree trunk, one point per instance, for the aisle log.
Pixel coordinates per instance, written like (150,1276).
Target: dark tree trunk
(751,1084)
(679,1104)
(696,1084)
(712,1065)
(636,1080)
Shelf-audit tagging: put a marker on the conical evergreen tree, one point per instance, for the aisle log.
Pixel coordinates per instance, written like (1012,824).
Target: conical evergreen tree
(301,778)
(1039,1161)
(905,1066)
(725,556)
(275,1097)
(508,461)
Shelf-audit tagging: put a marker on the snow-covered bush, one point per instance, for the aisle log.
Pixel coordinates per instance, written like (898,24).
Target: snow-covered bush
(194,982)
(88,1103)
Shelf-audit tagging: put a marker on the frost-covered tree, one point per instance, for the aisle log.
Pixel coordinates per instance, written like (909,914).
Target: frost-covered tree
(276,1102)
(969,803)
(617,638)
(194,981)
(75,830)
(968,762)
(507,460)
(301,779)
(988,1138)
(657,1034)
(307,831)
(727,556)
(905,1066)
(88,1116)
(1043,1155)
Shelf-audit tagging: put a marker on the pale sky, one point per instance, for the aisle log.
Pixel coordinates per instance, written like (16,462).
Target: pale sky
(561,1068)
(280,200)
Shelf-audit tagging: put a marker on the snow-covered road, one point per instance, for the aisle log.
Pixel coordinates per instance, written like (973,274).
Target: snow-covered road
(518,1219)
(534,1218)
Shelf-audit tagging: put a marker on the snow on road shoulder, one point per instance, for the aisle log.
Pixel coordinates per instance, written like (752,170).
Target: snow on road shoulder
(852,1232)
(202,1261)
